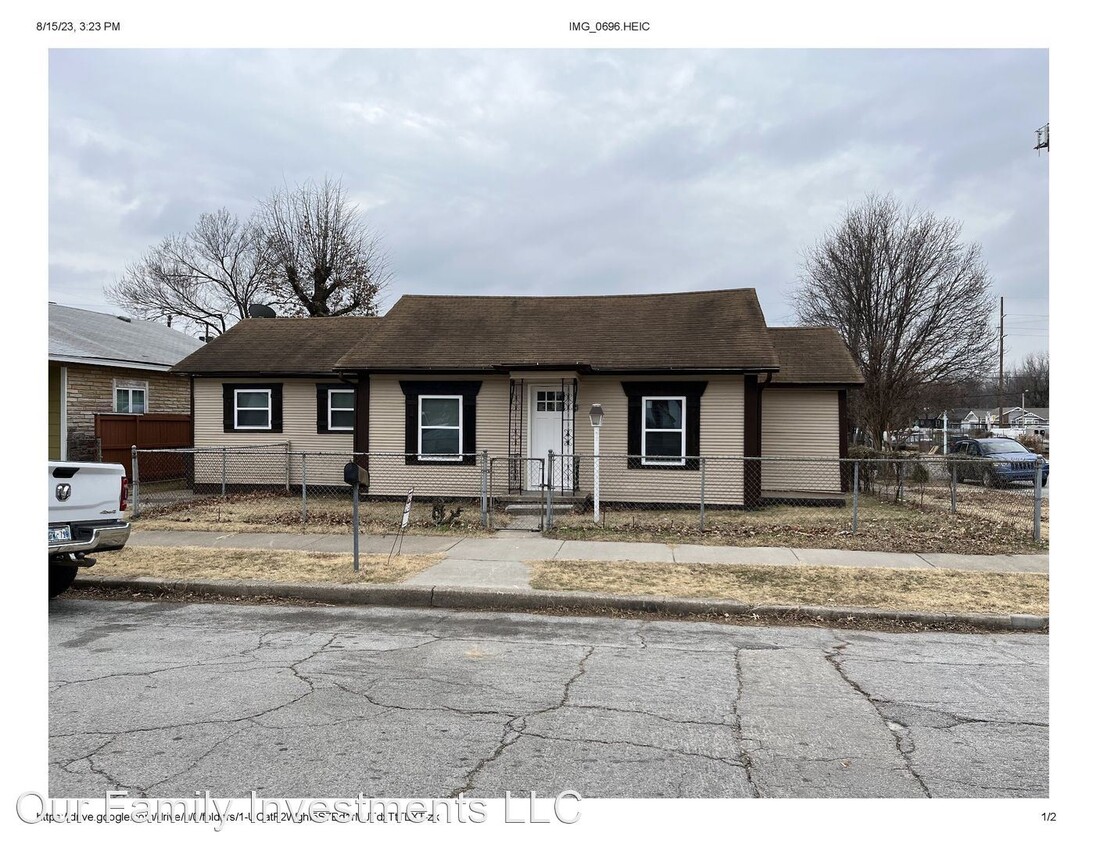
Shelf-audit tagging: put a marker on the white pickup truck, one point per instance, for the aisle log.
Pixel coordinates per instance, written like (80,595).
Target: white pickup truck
(86,501)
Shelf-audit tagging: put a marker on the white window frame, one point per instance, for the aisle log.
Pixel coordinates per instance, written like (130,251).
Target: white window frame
(269,410)
(441,458)
(665,461)
(330,426)
(129,387)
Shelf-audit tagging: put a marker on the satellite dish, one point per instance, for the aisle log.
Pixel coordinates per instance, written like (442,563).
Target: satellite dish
(261,312)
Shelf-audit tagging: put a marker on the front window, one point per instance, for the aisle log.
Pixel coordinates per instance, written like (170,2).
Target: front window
(440,429)
(339,413)
(663,424)
(252,410)
(129,400)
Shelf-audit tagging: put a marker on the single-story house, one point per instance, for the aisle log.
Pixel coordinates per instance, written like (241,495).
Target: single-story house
(440,379)
(103,364)
(1015,420)
(978,421)
(1033,420)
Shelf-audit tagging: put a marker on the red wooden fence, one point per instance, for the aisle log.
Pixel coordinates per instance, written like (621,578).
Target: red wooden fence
(119,432)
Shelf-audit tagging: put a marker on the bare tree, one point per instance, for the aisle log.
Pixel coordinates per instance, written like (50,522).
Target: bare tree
(1030,380)
(327,261)
(207,277)
(912,302)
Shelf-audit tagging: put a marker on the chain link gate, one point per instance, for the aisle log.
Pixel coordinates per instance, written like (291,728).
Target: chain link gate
(522,510)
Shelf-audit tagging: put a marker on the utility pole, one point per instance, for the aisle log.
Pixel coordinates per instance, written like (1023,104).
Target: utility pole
(1043,138)
(1001,354)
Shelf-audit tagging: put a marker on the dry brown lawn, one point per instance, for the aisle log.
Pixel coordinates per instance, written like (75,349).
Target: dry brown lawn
(926,590)
(881,527)
(265,513)
(240,564)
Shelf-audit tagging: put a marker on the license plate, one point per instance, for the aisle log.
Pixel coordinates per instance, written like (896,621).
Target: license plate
(60,534)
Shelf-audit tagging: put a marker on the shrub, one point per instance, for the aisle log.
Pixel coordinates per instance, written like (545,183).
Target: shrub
(1033,442)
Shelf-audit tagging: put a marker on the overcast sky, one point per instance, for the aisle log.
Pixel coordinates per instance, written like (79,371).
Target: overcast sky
(557,171)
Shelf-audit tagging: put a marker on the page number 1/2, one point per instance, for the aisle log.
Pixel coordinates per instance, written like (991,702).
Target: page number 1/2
(1047,816)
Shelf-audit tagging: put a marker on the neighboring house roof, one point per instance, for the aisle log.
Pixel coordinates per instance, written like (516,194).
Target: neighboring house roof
(1033,413)
(79,336)
(707,330)
(283,346)
(813,355)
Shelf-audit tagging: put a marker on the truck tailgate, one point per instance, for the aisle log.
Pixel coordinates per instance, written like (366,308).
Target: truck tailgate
(84,492)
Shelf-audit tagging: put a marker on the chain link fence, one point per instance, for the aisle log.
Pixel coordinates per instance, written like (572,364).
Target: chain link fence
(897,503)
(903,502)
(275,488)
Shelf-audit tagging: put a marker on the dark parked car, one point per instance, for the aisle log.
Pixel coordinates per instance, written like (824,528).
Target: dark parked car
(995,461)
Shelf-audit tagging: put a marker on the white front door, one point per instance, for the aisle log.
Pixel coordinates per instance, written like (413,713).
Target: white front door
(547,405)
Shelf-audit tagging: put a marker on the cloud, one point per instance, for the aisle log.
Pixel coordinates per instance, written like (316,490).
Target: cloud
(554,171)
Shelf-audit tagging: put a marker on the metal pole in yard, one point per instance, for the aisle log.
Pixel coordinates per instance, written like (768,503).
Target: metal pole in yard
(356,527)
(1038,492)
(702,495)
(952,488)
(288,468)
(596,474)
(550,489)
(854,522)
(223,472)
(134,486)
(485,457)
(303,485)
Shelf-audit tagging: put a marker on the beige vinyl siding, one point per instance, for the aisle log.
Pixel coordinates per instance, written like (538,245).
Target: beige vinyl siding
(387,439)
(800,423)
(299,430)
(721,435)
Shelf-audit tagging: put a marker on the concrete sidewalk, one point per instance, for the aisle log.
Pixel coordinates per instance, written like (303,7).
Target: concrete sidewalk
(499,561)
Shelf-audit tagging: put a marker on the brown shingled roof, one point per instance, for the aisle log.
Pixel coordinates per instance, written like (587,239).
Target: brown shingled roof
(813,355)
(283,346)
(712,330)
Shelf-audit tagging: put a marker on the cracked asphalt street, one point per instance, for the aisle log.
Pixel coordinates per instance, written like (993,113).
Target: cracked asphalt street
(165,699)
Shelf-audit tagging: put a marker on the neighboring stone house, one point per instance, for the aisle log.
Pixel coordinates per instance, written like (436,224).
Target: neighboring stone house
(100,363)
(440,379)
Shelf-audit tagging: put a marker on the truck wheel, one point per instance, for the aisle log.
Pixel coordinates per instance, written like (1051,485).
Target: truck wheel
(60,578)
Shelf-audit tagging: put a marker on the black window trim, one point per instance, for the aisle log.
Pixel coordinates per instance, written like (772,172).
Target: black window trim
(636,393)
(322,407)
(276,410)
(468,392)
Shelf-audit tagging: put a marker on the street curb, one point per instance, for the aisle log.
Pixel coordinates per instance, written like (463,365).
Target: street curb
(459,597)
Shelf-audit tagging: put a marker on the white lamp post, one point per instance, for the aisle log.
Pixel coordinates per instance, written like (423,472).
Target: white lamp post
(595,416)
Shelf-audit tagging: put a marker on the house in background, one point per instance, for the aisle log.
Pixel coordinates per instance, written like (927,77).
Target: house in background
(440,379)
(1030,420)
(104,365)
(977,422)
